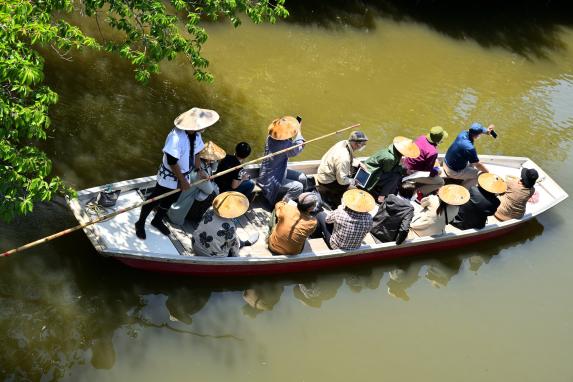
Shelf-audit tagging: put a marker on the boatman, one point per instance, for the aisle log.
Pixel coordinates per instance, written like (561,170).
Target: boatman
(179,160)
(275,179)
(461,161)
(334,174)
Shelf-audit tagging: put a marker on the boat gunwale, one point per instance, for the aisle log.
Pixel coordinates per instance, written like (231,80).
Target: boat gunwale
(325,254)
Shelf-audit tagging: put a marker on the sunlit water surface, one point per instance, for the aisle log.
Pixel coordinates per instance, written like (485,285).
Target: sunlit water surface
(499,311)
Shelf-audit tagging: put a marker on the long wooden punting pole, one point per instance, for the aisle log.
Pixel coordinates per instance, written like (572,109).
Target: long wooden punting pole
(122,210)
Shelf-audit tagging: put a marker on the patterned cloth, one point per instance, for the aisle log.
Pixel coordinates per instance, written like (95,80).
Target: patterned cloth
(215,236)
(350,227)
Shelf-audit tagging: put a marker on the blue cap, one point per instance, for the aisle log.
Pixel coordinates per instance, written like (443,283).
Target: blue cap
(477,128)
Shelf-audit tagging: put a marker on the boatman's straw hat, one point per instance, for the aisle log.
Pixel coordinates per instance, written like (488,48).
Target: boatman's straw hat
(437,134)
(492,183)
(454,195)
(284,128)
(230,204)
(358,200)
(406,147)
(212,152)
(196,119)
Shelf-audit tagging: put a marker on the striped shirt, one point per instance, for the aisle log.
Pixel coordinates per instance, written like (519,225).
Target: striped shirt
(350,227)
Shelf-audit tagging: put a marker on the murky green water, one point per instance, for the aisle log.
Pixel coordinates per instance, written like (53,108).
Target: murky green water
(498,311)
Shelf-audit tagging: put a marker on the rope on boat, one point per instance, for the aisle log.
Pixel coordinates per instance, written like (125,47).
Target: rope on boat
(137,205)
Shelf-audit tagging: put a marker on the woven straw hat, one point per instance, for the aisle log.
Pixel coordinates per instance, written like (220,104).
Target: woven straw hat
(212,152)
(230,204)
(358,200)
(492,183)
(454,195)
(406,147)
(196,119)
(284,128)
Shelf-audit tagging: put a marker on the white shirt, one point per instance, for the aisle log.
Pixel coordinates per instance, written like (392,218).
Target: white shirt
(336,165)
(177,145)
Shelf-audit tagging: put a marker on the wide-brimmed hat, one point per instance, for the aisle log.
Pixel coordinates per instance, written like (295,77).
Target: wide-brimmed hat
(358,200)
(196,119)
(437,134)
(406,147)
(454,194)
(230,204)
(212,152)
(284,128)
(492,183)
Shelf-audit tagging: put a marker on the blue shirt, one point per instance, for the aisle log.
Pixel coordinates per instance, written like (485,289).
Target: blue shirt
(461,152)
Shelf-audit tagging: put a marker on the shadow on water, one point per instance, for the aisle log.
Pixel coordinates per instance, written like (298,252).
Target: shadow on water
(63,305)
(529,28)
(120,125)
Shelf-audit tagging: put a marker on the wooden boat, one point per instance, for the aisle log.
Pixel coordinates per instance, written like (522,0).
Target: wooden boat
(116,237)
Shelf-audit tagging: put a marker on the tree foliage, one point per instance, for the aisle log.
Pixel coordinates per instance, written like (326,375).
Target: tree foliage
(150,31)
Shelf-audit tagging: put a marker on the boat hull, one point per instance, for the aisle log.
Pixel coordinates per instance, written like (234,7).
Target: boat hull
(327,262)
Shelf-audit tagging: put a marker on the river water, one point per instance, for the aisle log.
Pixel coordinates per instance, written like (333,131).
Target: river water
(498,311)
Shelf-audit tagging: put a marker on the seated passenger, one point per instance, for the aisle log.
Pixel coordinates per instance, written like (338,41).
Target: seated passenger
(426,161)
(275,179)
(392,221)
(483,202)
(199,193)
(216,234)
(236,180)
(294,225)
(335,174)
(346,227)
(461,160)
(518,192)
(439,210)
(385,167)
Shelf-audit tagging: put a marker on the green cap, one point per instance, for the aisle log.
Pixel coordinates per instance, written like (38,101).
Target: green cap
(437,134)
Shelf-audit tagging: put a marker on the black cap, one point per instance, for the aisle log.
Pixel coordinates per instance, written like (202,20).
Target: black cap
(529,176)
(243,150)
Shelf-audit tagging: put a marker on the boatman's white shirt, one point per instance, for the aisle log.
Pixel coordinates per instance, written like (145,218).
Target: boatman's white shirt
(177,145)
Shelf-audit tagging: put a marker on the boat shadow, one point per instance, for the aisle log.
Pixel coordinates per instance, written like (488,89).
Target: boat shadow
(83,304)
(530,29)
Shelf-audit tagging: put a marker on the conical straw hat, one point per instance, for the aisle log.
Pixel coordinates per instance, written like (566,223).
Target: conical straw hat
(492,183)
(230,204)
(358,200)
(406,147)
(196,119)
(284,128)
(454,195)
(212,152)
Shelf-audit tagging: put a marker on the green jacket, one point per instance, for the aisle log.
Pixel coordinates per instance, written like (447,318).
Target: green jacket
(383,161)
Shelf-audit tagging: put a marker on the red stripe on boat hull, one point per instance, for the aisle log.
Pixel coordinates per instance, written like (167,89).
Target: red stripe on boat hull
(310,265)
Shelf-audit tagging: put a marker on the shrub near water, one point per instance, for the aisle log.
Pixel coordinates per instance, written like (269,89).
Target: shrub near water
(150,33)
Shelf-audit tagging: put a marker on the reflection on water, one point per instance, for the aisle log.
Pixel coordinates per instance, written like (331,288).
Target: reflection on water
(69,310)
